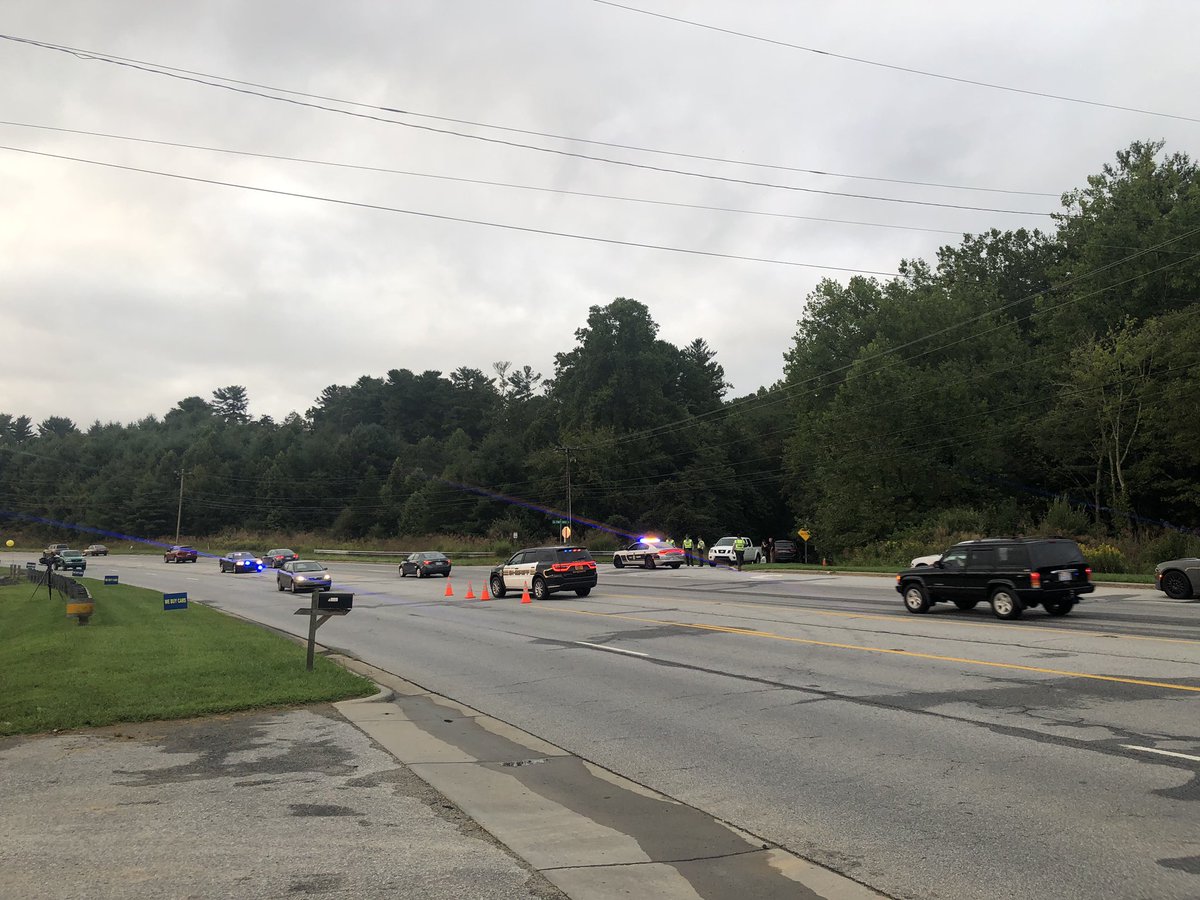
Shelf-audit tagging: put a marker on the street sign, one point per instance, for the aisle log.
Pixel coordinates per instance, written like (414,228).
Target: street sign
(804,534)
(560,521)
(175,601)
(111,579)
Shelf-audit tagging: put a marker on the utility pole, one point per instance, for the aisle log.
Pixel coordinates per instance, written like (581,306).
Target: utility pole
(570,517)
(179,514)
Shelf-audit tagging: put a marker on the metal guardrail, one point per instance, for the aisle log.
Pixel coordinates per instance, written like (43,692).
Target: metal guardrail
(393,553)
(458,553)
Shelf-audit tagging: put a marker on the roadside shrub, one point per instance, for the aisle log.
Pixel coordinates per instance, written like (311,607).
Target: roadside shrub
(602,541)
(1105,558)
(1168,545)
(1063,520)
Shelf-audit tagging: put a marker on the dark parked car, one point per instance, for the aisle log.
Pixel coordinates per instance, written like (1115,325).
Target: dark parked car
(303,575)
(180,554)
(425,563)
(276,558)
(240,561)
(545,570)
(1178,578)
(70,559)
(786,551)
(96,550)
(1011,574)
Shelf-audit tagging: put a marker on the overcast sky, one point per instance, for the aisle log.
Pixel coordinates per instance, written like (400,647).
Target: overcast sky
(125,292)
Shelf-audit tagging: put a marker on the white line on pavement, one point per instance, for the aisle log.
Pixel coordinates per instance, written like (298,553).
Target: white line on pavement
(1162,752)
(611,649)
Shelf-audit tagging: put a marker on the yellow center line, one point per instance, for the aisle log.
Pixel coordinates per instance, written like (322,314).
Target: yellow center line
(1059,632)
(909,654)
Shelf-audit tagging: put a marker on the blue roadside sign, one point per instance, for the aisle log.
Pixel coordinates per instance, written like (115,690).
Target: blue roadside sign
(110,579)
(175,601)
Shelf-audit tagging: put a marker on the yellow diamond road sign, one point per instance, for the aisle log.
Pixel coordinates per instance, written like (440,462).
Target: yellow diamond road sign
(804,535)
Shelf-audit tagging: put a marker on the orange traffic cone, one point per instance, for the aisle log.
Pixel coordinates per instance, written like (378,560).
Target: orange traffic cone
(525,598)
(470,594)
(449,590)
(483,594)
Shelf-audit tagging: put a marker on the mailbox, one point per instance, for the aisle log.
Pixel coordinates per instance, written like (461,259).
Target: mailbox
(329,600)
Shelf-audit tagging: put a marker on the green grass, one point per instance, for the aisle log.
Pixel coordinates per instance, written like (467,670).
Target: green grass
(135,662)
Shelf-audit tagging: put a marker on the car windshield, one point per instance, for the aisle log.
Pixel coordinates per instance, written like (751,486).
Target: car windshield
(71,553)
(724,542)
(434,555)
(240,555)
(281,552)
(307,567)
(658,545)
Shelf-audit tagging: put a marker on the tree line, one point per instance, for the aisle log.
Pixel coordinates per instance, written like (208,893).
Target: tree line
(1020,371)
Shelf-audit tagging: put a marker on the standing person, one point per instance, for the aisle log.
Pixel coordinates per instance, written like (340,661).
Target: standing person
(700,549)
(739,552)
(766,550)
(687,549)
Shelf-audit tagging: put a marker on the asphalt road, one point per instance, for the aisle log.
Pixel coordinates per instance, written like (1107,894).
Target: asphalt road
(943,756)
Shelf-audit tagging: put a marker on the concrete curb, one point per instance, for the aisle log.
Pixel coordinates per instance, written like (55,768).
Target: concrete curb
(592,833)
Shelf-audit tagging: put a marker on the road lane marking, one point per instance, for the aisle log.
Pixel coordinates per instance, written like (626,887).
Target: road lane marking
(1060,632)
(908,654)
(611,649)
(1162,752)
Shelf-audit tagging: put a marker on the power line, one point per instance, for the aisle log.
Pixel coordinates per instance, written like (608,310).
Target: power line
(158,68)
(479,181)
(428,215)
(891,66)
(477,137)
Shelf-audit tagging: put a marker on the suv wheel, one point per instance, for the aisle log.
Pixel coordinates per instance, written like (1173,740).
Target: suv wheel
(966,604)
(618,562)
(498,586)
(915,598)
(650,563)
(540,591)
(582,592)
(1005,604)
(1058,607)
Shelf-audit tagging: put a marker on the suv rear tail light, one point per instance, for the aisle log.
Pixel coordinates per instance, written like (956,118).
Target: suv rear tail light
(568,566)
(1035,579)
(1087,573)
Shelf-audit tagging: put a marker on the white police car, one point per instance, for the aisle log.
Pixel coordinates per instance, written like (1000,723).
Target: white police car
(650,553)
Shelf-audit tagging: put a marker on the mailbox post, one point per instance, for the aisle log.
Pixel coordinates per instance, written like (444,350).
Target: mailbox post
(325,605)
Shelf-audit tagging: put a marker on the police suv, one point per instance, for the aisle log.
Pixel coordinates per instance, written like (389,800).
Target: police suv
(545,570)
(649,552)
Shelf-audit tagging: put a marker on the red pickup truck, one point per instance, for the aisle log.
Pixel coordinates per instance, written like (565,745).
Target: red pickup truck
(180,554)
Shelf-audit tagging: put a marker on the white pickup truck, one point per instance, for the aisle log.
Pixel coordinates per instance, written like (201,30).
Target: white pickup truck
(722,551)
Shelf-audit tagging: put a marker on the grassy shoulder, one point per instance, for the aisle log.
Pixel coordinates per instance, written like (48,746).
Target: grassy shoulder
(135,662)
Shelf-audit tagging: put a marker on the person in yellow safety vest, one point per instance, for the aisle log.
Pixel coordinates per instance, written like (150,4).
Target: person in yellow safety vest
(687,548)
(739,552)
(700,549)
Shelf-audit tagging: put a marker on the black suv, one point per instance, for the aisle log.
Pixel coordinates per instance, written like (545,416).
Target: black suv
(545,570)
(1012,574)
(786,551)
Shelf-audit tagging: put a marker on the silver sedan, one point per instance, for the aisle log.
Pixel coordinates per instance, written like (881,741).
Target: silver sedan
(1179,579)
(303,575)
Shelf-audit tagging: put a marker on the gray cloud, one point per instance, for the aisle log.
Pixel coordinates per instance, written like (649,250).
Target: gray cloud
(124,293)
